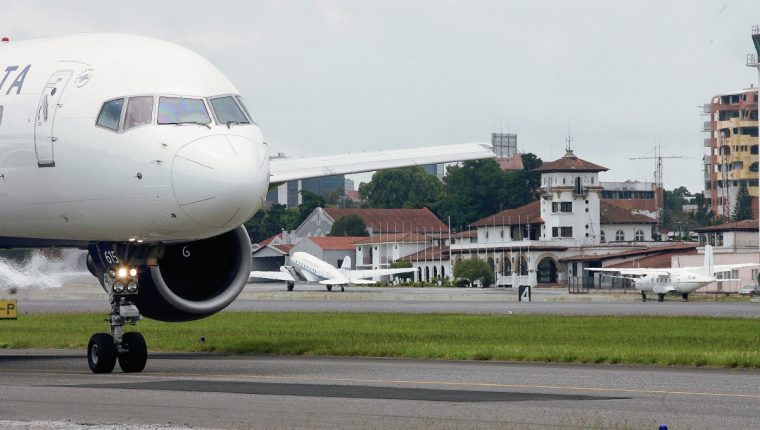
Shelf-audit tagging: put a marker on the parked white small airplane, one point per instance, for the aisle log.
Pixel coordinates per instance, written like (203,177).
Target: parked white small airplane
(313,269)
(145,154)
(677,280)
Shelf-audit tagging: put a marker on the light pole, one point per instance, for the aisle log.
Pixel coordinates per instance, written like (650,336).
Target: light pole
(753,60)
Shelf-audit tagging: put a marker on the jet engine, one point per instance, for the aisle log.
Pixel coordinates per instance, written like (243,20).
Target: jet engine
(193,280)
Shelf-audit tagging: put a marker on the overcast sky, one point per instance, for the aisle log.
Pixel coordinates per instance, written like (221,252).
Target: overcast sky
(336,76)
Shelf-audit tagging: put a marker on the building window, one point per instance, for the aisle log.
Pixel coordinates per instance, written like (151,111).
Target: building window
(523,267)
(506,266)
(639,235)
(619,236)
(566,207)
(566,231)
(555,231)
(601,237)
(555,207)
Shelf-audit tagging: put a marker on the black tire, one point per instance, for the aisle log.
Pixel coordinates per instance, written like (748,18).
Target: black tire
(290,286)
(136,354)
(329,288)
(660,297)
(342,290)
(101,353)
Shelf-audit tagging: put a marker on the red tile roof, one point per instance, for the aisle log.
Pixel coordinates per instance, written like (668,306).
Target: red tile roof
(283,247)
(392,238)
(336,243)
(530,213)
(613,214)
(659,261)
(671,248)
(634,204)
(392,220)
(267,241)
(745,225)
(436,253)
(570,163)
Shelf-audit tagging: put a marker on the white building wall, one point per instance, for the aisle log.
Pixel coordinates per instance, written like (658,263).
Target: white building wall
(584,218)
(629,232)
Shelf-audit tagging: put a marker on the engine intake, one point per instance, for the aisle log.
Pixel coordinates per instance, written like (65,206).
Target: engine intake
(195,279)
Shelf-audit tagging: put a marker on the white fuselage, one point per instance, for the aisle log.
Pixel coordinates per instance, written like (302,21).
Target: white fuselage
(320,270)
(64,177)
(681,282)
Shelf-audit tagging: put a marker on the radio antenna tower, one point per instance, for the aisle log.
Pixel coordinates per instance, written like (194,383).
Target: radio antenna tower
(659,191)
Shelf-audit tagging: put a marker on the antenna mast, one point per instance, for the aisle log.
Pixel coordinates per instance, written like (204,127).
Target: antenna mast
(659,191)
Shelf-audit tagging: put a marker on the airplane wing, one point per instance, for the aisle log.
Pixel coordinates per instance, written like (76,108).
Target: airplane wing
(287,169)
(631,272)
(335,281)
(730,267)
(357,275)
(277,276)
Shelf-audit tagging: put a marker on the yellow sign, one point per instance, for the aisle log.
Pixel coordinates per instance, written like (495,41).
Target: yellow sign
(8,310)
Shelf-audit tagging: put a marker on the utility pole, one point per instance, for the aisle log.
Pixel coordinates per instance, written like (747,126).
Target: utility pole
(659,191)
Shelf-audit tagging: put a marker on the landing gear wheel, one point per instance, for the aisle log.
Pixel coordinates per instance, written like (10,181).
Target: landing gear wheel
(135,353)
(342,290)
(101,353)
(329,288)
(643,297)
(660,297)
(290,286)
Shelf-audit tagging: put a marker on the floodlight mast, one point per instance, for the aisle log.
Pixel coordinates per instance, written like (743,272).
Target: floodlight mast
(753,60)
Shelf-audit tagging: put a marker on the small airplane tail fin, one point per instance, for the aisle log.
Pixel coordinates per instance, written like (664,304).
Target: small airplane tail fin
(346,264)
(709,266)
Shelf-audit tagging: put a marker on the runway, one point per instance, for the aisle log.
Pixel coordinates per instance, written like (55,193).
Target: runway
(313,298)
(228,391)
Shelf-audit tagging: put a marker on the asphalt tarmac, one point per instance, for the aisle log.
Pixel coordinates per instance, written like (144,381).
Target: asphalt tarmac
(54,389)
(314,298)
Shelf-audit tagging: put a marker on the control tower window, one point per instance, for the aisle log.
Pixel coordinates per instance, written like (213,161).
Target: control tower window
(110,114)
(139,112)
(180,110)
(227,111)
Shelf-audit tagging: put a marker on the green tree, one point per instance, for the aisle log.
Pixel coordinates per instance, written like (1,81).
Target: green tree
(743,208)
(472,191)
(407,187)
(474,269)
(350,225)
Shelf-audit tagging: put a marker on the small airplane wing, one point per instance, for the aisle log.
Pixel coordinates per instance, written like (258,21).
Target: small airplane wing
(281,275)
(631,272)
(730,267)
(664,289)
(357,275)
(336,281)
(287,169)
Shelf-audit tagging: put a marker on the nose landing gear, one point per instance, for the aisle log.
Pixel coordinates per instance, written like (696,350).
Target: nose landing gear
(130,348)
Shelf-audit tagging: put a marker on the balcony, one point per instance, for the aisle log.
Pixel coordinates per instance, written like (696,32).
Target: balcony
(708,142)
(752,60)
(707,125)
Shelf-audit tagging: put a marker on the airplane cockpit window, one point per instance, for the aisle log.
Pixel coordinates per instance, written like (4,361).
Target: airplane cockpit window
(110,114)
(245,109)
(181,110)
(139,112)
(227,111)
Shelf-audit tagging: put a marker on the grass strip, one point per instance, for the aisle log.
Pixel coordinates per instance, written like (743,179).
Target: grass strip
(686,341)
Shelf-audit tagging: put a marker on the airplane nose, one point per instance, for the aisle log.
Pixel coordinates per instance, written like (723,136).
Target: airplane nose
(219,181)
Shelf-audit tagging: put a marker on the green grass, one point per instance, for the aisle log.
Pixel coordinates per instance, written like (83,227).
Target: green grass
(689,341)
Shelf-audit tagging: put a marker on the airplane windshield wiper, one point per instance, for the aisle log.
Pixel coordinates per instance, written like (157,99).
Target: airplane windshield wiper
(229,123)
(189,122)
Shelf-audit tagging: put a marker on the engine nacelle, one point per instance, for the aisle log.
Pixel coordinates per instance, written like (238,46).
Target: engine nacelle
(195,279)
